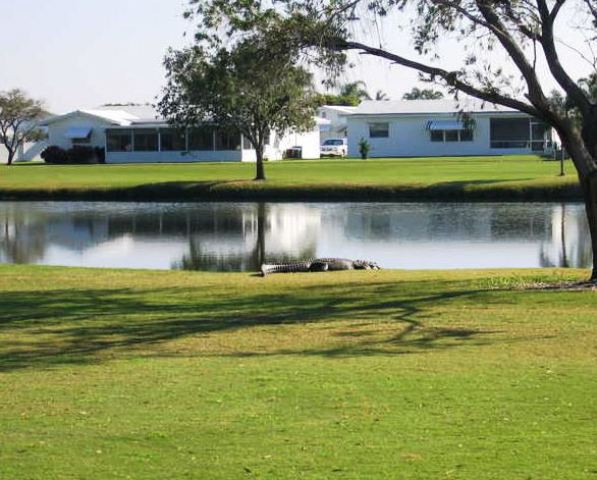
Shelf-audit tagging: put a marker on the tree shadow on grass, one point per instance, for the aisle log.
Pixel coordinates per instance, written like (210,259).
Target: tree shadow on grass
(58,327)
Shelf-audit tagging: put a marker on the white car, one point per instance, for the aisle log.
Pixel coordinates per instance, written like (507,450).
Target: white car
(334,147)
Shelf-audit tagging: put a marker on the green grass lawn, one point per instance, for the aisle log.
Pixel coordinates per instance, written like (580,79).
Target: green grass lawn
(350,375)
(458,177)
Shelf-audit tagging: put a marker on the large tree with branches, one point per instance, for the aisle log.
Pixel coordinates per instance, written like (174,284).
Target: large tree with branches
(249,87)
(521,33)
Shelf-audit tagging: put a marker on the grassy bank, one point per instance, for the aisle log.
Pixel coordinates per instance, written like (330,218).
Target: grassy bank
(389,374)
(462,178)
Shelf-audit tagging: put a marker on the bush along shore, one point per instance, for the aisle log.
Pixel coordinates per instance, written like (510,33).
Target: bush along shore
(524,178)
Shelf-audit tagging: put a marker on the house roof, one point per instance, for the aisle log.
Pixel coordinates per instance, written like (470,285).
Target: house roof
(120,115)
(340,108)
(128,115)
(410,107)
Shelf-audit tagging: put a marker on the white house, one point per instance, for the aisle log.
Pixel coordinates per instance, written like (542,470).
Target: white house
(415,128)
(137,134)
(334,124)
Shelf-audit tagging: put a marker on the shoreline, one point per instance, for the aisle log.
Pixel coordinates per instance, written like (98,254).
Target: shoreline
(465,192)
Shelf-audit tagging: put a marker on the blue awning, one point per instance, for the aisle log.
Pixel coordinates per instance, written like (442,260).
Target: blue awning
(78,132)
(445,125)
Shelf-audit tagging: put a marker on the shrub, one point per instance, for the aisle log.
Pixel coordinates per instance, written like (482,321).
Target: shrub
(364,148)
(54,154)
(76,155)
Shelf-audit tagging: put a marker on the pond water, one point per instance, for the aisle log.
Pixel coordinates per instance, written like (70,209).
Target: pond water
(240,236)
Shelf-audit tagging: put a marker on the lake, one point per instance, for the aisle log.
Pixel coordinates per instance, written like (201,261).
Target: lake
(240,236)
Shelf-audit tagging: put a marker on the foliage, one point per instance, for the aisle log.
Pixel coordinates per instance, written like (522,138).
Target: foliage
(331,375)
(349,94)
(364,148)
(423,94)
(78,154)
(251,87)
(18,120)
(355,90)
(333,99)
(381,95)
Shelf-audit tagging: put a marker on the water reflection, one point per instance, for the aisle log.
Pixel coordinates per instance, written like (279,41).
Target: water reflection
(241,236)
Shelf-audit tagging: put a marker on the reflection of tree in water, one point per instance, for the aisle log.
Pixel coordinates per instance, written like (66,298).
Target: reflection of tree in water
(200,258)
(21,241)
(575,252)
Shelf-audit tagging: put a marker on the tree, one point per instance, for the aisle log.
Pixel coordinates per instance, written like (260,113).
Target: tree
(333,99)
(381,95)
(248,88)
(18,121)
(356,90)
(350,95)
(523,32)
(424,94)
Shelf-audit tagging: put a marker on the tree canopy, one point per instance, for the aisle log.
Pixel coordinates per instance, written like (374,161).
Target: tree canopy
(247,88)
(18,120)
(423,94)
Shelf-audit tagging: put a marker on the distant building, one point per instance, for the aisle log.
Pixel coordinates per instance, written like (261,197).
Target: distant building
(335,121)
(132,134)
(419,128)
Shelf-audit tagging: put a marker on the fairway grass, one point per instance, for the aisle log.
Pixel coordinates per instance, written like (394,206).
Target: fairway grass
(351,375)
(450,178)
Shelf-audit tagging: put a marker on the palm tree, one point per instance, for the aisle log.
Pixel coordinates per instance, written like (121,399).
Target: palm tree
(381,95)
(355,90)
(424,94)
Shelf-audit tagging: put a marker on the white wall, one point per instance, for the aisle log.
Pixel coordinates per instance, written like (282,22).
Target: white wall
(309,141)
(3,154)
(175,157)
(28,152)
(409,137)
(57,130)
(337,126)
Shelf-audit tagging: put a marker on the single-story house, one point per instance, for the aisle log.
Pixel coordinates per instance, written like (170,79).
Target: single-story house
(136,134)
(414,128)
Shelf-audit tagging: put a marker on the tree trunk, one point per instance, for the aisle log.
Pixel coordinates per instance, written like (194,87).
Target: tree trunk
(260,247)
(589,188)
(11,156)
(260,172)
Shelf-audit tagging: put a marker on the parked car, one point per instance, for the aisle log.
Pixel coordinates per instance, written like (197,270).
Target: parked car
(334,147)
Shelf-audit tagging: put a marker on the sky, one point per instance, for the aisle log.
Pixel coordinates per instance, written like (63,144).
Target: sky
(76,54)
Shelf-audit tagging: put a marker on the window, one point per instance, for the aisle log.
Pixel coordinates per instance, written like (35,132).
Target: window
(379,130)
(119,140)
(146,140)
(451,135)
(173,140)
(201,138)
(509,132)
(540,136)
(465,135)
(334,142)
(227,140)
(246,143)
(437,135)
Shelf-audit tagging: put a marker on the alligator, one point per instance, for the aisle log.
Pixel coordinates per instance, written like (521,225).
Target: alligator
(318,265)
